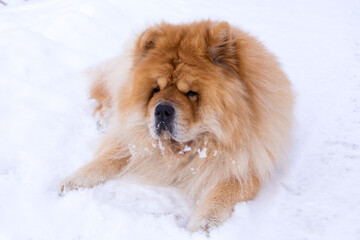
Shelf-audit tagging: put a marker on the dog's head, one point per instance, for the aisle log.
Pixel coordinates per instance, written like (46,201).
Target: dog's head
(185,78)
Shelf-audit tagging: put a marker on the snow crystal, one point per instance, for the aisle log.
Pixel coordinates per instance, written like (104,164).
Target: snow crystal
(132,149)
(162,149)
(194,171)
(202,153)
(186,149)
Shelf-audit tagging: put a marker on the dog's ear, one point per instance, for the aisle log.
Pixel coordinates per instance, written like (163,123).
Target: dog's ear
(221,46)
(147,41)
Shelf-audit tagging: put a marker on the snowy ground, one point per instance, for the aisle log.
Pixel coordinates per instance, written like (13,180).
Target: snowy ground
(47,131)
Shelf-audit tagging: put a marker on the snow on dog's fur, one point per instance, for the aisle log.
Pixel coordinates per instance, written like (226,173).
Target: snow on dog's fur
(229,119)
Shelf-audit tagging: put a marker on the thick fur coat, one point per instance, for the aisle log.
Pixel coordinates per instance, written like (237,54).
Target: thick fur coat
(230,119)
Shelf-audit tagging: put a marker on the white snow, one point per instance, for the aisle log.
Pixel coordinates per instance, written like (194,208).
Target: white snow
(161,147)
(186,149)
(132,150)
(202,153)
(47,129)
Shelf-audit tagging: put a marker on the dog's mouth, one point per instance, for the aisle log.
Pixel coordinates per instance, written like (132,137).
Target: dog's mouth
(164,129)
(170,145)
(167,137)
(164,135)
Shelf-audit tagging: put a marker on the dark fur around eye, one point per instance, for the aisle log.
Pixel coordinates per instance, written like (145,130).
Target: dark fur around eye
(191,94)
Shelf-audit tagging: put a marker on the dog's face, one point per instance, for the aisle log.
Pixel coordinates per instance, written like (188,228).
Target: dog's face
(175,102)
(173,111)
(186,83)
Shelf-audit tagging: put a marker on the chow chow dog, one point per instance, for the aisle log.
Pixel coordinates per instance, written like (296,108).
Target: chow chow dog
(203,107)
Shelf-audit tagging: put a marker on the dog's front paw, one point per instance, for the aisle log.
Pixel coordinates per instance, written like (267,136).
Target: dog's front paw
(80,179)
(198,223)
(208,216)
(203,222)
(69,184)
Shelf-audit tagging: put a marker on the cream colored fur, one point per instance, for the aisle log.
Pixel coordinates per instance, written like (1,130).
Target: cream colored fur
(237,161)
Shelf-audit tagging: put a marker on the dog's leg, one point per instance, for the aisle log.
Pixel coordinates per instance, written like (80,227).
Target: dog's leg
(100,91)
(109,162)
(219,203)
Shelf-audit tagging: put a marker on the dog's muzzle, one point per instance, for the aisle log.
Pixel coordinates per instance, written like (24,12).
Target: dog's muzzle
(164,118)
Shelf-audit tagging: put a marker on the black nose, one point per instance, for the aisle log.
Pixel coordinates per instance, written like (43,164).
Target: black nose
(164,112)
(164,117)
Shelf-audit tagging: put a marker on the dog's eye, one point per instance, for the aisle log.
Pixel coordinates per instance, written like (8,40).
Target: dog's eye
(156,90)
(192,94)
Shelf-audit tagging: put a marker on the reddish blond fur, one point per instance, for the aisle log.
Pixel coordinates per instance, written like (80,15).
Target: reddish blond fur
(241,117)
